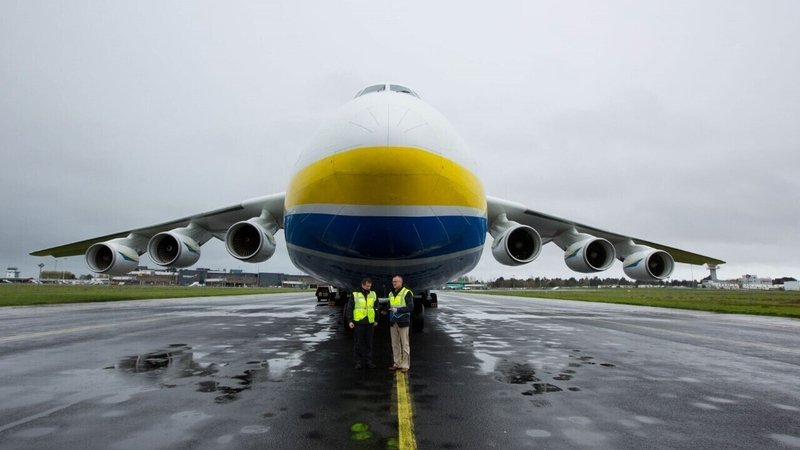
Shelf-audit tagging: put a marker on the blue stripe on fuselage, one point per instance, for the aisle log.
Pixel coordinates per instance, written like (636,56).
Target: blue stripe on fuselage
(386,238)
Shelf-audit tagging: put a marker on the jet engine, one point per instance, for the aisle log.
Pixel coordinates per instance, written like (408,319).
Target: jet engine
(251,240)
(112,257)
(648,264)
(590,255)
(516,245)
(173,249)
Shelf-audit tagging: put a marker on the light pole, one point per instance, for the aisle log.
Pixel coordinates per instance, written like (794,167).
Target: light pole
(41,266)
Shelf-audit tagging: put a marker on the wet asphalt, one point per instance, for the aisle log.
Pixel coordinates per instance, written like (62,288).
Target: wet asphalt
(487,372)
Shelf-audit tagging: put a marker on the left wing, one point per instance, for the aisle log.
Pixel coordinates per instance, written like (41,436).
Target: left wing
(178,242)
(588,249)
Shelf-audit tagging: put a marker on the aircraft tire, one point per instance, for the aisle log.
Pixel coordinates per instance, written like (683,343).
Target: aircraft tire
(418,318)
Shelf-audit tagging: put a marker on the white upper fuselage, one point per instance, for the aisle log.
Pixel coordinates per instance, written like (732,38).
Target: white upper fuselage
(385,187)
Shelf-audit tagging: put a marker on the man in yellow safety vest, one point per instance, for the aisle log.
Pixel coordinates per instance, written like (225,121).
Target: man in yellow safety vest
(360,315)
(401,304)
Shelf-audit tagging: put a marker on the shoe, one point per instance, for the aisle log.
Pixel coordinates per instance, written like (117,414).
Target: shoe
(357,366)
(370,365)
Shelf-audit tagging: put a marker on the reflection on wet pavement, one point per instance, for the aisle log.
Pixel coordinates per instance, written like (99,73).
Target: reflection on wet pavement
(178,359)
(515,373)
(520,359)
(217,364)
(542,388)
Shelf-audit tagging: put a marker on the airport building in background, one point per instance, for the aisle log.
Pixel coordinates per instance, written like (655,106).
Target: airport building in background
(208,277)
(791,285)
(238,278)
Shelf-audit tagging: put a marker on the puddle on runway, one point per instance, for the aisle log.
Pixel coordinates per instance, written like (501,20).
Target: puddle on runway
(523,372)
(542,388)
(515,373)
(177,362)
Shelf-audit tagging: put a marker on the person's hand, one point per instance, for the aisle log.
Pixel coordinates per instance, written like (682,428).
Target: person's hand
(394,310)
(352,325)
(375,324)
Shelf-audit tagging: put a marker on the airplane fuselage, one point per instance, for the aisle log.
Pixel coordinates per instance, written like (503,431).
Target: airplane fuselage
(386,187)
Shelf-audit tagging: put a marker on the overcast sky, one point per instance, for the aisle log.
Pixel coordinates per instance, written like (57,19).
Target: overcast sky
(675,122)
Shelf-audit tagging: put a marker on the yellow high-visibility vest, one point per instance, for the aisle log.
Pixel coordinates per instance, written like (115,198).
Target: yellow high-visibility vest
(364,307)
(399,301)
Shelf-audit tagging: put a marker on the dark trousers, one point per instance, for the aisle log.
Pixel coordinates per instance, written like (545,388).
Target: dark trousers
(362,343)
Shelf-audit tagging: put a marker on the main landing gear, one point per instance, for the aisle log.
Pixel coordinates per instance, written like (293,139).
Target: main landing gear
(422,301)
(425,300)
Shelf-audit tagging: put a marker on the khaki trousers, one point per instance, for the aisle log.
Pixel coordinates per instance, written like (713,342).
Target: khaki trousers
(401,350)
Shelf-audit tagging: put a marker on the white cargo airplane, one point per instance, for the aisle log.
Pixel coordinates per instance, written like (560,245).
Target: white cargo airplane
(385,187)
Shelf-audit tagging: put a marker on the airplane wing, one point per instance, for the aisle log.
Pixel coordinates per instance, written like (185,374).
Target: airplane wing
(215,222)
(550,227)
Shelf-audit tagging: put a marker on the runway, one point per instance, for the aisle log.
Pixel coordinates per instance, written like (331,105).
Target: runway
(488,372)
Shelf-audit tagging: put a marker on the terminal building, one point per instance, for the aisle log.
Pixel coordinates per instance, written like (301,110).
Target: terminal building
(791,285)
(210,277)
(750,282)
(12,276)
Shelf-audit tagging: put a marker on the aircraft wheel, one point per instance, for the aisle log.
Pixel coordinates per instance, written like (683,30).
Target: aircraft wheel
(418,318)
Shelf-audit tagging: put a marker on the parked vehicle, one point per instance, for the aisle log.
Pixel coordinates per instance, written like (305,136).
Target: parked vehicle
(326,293)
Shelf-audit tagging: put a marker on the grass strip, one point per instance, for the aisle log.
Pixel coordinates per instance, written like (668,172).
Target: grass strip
(41,294)
(765,303)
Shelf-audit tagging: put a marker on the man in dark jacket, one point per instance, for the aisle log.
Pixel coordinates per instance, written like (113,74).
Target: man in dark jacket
(401,304)
(360,315)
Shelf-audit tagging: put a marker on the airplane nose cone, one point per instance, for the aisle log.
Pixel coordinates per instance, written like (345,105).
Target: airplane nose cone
(391,125)
(371,124)
(405,126)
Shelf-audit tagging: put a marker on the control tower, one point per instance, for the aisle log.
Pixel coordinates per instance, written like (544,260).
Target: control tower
(713,270)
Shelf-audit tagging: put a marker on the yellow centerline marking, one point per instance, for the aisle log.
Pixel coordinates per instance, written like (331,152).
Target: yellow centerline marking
(405,421)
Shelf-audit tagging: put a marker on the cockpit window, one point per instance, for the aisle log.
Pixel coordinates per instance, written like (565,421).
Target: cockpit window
(403,89)
(375,88)
(392,87)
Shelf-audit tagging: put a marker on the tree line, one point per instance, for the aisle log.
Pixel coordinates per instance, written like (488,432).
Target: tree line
(572,282)
(589,282)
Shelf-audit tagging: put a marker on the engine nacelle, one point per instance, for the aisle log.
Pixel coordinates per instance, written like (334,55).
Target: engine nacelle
(590,255)
(250,241)
(648,265)
(173,249)
(517,245)
(111,258)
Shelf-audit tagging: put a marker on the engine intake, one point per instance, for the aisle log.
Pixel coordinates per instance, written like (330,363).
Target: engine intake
(649,265)
(516,245)
(250,241)
(590,255)
(173,249)
(111,258)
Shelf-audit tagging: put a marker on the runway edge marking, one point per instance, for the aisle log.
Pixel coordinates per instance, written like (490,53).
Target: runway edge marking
(405,421)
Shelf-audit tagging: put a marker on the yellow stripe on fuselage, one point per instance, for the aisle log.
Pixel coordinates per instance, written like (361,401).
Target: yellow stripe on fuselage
(390,176)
